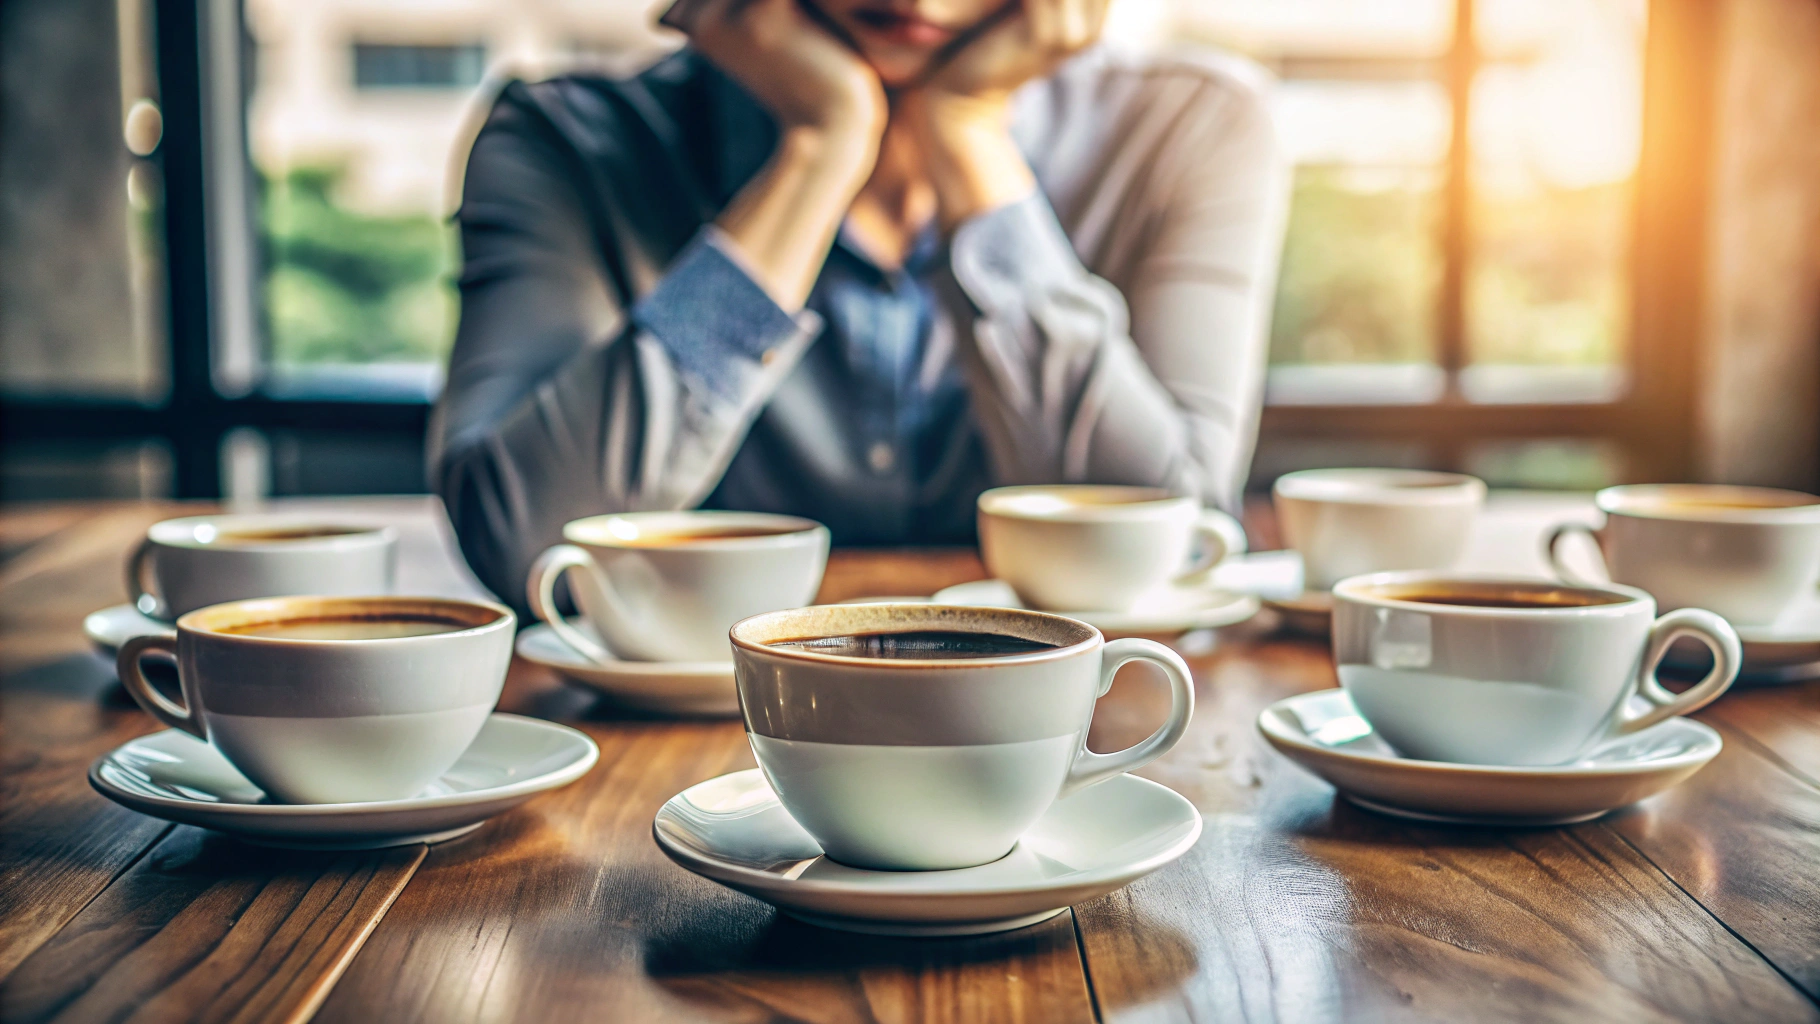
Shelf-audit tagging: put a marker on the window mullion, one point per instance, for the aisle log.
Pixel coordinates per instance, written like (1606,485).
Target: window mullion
(1461,67)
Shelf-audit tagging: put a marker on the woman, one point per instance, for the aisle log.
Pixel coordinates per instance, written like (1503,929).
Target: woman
(857,261)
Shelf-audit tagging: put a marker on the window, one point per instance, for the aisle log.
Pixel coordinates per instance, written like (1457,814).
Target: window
(357,173)
(388,66)
(1461,267)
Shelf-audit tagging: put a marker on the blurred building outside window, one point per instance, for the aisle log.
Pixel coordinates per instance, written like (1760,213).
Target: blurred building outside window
(390,66)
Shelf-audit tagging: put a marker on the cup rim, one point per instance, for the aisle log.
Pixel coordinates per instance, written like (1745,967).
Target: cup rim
(1363,485)
(197,623)
(1618,501)
(1156,500)
(180,532)
(743,639)
(800,529)
(1353,588)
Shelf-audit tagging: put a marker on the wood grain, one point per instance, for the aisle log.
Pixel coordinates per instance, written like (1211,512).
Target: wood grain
(62,844)
(60,708)
(204,928)
(1743,838)
(1295,904)
(24,525)
(1783,721)
(565,908)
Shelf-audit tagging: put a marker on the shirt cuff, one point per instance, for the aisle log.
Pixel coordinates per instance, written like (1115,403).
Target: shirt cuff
(1005,258)
(712,319)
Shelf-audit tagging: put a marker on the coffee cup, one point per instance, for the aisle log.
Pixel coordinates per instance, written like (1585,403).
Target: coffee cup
(1509,670)
(1085,547)
(332,699)
(924,737)
(1744,552)
(1345,522)
(666,586)
(193,562)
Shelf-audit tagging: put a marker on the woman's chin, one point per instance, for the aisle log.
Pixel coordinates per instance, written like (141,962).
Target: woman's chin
(899,71)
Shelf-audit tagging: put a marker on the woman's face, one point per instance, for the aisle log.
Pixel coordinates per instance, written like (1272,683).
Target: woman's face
(900,38)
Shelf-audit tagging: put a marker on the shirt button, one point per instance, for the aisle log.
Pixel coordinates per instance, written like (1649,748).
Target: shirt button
(770,356)
(880,457)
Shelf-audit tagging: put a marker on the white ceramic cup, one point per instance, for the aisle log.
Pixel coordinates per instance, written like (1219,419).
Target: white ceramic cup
(914,764)
(660,586)
(314,721)
(1087,547)
(1344,522)
(1532,685)
(198,561)
(1744,552)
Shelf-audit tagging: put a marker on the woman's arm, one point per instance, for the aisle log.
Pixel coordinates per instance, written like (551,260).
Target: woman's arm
(561,403)
(1072,380)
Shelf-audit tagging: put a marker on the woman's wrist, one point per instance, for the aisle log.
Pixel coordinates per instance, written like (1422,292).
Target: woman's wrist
(785,219)
(973,162)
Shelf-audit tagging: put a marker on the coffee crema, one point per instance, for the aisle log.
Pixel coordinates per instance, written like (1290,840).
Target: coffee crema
(920,644)
(1673,506)
(282,535)
(673,538)
(1540,597)
(349,627)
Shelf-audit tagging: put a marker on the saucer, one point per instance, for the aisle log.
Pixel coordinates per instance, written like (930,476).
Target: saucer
(108,628)
(1309,612)
(174,776)
(1167,609)
(668,687)
(1786,650)
(1323,733)
(733,830)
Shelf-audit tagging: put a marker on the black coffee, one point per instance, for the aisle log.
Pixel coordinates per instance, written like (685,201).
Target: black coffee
(350,627)
(284,535)
(665,539)
(1517,599)
(917,644)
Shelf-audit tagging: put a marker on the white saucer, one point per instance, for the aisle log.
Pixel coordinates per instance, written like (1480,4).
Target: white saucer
(734,831)
(108,628)
(174,776)
(1784,651)
(1323,733)
(1164,610)
(668,687)
(1309,612)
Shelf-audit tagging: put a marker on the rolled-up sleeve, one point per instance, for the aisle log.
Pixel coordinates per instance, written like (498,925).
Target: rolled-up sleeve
(563,403)
(1074,380)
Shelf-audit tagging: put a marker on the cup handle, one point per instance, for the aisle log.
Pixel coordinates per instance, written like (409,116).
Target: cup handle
(1551,551)
(155,704)
(541,594)
(1221,538)
(1709,629)
(1090,768)
(147,602)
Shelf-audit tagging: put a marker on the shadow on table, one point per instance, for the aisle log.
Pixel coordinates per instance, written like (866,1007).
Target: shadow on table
(786,962)
(78,677)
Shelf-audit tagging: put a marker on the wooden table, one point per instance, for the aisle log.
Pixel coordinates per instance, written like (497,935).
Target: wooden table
(1701,904)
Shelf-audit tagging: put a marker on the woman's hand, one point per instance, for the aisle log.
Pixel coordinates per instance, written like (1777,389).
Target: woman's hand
(831,116)
(962,111)
(1027,40)
(808,79)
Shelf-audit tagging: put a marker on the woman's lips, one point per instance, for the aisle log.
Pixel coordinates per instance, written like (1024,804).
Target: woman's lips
(902,29)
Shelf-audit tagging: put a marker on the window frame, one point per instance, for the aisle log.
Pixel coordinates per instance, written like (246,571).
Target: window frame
(1652,422)
(214,340)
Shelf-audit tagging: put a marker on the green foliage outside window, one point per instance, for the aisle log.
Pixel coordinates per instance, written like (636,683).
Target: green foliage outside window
(1361,268)
(349,287)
